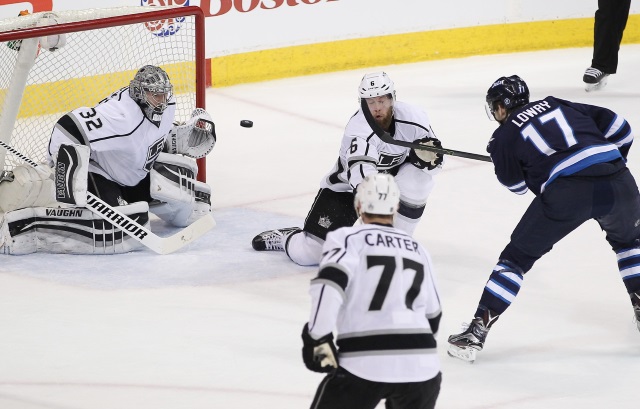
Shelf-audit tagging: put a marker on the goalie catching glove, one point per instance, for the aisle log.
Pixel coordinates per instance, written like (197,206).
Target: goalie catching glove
(195,138)
(422,159)
(319,355)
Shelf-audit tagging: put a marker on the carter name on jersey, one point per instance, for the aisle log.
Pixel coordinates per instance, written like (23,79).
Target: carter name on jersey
(380,239)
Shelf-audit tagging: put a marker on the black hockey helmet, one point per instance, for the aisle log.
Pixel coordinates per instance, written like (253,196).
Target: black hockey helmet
(511,91)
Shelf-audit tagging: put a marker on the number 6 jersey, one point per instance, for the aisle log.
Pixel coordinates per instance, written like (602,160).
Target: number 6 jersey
(124,142)
(375,286)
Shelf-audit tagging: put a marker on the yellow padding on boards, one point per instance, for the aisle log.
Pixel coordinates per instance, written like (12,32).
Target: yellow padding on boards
(408,48)
(52,97)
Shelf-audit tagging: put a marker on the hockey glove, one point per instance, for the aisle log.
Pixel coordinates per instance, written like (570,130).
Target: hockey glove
(319,355)
(426,159)
(195,138)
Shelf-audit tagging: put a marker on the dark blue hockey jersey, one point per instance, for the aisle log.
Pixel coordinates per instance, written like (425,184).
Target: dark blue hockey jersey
(550,138)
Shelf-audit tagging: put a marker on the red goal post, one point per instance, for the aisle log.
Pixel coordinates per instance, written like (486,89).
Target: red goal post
(104,48)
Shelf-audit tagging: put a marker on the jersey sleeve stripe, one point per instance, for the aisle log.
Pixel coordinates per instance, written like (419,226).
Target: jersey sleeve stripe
(360,160)
(617,123)
(332,273)
(72,130)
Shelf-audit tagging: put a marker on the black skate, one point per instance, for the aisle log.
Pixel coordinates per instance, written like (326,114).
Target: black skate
(273,240)
(594,79)
(471,340)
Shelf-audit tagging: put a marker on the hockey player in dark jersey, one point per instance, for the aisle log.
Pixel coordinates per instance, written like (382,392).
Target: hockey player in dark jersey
(362,153)
(573,158)
(376,287)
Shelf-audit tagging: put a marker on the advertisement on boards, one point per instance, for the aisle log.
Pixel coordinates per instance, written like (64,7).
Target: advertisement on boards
(239,26)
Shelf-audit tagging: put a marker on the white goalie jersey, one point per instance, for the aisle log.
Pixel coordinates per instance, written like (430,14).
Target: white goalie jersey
(124,142)
(376,287)
(362,153)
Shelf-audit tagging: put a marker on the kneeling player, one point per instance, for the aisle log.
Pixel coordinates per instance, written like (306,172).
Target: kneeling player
(126,150)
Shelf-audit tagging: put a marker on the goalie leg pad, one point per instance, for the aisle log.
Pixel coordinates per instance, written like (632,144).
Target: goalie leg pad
(182,198)
(67,230)
(28,188)
(71,172)
(182,214)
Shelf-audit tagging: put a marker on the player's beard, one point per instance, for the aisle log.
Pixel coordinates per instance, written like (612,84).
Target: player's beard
(385,120)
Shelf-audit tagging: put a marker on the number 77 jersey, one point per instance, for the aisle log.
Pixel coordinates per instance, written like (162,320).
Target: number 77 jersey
(551,138)
(376,286)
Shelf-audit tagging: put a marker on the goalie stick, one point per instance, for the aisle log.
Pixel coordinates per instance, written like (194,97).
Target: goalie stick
(160,245)
(386,137)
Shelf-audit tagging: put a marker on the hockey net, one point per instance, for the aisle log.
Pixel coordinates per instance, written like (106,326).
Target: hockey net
(104,48)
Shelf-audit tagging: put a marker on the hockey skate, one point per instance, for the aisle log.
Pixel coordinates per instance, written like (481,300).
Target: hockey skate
(273,240)
(465,345)
(635,301)
(594,79)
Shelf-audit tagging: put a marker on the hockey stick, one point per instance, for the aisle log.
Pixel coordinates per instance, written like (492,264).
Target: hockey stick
(386,137)
(161,245)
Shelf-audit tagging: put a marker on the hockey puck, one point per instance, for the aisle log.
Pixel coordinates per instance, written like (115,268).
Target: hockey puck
(245,123)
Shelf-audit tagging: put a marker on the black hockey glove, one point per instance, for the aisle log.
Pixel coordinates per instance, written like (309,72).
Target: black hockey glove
(426,159)
(318,355)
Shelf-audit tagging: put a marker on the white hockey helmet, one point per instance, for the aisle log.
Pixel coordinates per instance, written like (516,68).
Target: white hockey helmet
(152,90)
(376,84)
(377,194)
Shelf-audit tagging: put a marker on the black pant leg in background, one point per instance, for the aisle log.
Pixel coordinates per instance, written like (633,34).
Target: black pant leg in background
(610,22)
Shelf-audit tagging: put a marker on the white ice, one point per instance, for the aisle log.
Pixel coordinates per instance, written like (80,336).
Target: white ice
(217,325)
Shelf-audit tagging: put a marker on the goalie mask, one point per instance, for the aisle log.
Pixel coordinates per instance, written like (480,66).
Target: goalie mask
(511,91)
(376,85)
(152,90)
(377,194)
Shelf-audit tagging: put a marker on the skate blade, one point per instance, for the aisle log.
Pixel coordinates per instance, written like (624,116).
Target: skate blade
(464,354)
(597,86)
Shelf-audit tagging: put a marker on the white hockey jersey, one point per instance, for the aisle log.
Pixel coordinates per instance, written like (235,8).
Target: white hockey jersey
(363,153)
(376,287)
(124,142)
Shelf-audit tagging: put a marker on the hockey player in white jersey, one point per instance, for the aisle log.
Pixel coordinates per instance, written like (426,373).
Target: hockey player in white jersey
(128,151)
(362,153)
(376,287)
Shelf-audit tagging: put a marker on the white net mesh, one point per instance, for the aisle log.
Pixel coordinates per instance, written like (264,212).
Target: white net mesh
(89,67)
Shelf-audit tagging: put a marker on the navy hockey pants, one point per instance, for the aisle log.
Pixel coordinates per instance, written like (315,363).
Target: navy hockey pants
(612,200)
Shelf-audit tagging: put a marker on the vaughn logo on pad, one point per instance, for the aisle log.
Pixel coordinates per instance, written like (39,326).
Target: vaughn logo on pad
(66,165)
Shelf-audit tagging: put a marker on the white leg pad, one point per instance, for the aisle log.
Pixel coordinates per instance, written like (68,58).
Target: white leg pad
(28,188)
(183,199)
(67,230)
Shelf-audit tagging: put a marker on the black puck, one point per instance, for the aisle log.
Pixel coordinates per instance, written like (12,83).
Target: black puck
(245,123)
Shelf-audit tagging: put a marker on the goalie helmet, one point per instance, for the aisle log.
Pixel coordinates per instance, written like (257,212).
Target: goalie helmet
(152,90)
(376,84)
(511,91)
(377,194)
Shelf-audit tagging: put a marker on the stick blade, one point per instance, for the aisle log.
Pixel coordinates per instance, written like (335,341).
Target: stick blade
(190,233)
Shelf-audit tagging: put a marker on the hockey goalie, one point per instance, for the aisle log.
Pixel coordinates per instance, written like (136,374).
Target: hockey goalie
(127,151)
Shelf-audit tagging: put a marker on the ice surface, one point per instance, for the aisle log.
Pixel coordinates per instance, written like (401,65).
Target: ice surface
(217,325)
